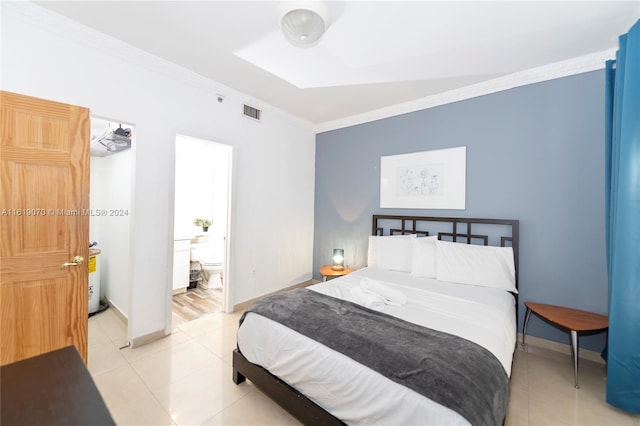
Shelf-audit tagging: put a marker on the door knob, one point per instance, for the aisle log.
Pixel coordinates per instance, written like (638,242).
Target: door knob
(78,260)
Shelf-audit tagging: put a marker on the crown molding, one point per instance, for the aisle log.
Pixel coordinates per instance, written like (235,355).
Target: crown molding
(579,65)
(71,30)
(76,32)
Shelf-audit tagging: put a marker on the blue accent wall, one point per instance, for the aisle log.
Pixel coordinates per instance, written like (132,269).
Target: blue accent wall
(534,153)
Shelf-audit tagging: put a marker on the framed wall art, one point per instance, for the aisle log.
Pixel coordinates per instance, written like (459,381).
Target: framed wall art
(424,180)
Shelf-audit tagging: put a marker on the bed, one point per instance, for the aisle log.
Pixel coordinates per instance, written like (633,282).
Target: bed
(424,334)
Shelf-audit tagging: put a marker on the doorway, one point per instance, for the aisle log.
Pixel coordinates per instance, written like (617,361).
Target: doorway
(201,216)
(111,218)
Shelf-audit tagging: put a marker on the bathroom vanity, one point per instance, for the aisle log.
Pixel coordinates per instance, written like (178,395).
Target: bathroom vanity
(181,264)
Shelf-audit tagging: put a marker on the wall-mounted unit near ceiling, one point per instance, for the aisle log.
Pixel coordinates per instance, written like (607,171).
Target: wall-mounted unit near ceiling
(251,112)
(111,141)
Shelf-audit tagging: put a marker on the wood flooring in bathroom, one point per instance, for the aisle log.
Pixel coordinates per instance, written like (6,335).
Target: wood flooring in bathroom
(196,303)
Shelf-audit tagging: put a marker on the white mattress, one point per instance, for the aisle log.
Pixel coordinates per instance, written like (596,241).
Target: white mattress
(358,395)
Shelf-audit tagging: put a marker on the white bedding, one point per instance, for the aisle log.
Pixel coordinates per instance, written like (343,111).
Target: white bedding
(359,395)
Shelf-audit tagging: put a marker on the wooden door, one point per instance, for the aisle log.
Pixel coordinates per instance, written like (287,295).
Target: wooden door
(44,222)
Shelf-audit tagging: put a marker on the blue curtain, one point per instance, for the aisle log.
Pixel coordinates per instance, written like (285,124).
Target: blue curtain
(623,222)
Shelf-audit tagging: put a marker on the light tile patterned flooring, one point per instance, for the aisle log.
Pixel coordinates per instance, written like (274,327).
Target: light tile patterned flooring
(185,379)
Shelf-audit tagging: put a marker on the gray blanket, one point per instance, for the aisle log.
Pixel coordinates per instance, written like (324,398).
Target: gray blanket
(452,371)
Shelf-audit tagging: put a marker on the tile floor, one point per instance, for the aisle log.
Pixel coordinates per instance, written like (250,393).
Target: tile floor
(185,379)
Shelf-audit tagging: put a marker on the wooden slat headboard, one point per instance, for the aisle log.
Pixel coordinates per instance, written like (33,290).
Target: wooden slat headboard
(502,232)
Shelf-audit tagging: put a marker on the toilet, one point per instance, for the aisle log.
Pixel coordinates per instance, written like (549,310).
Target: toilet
(209,253)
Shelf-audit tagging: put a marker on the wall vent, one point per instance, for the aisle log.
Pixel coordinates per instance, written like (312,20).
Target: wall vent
(251,112)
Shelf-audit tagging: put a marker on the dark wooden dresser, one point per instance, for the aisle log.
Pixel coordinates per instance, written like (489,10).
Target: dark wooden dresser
(54,388)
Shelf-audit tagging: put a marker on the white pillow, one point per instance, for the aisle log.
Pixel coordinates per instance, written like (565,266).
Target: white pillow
(484,266)
(391,252)
(423,257)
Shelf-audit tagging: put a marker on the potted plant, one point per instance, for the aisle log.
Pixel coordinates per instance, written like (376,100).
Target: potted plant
(205,223)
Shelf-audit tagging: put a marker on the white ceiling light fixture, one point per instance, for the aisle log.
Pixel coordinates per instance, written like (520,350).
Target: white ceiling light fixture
(303,23)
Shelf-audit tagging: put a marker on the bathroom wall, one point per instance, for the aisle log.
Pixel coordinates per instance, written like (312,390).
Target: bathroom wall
(48,56)
(201,181)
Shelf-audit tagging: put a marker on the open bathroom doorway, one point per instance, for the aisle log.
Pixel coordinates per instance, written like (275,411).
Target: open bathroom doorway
(201,216)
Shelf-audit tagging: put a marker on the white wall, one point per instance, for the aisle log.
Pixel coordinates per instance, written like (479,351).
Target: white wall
(112,181)
(271,233)
(202,182)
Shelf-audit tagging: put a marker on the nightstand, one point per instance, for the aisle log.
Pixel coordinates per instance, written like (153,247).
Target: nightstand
(570,319)
(327,272)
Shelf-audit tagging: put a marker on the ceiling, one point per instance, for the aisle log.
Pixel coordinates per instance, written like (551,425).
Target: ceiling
(374,54)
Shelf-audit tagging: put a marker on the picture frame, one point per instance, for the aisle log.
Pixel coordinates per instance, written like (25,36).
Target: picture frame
(424,180)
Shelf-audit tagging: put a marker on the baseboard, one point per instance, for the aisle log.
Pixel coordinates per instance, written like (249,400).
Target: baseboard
(244,305)
(147,338)
(117,311)
(137,341)
(561,347)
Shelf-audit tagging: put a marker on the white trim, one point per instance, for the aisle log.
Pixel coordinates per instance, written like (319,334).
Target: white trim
(147,338)
(117,311)
(582,64)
